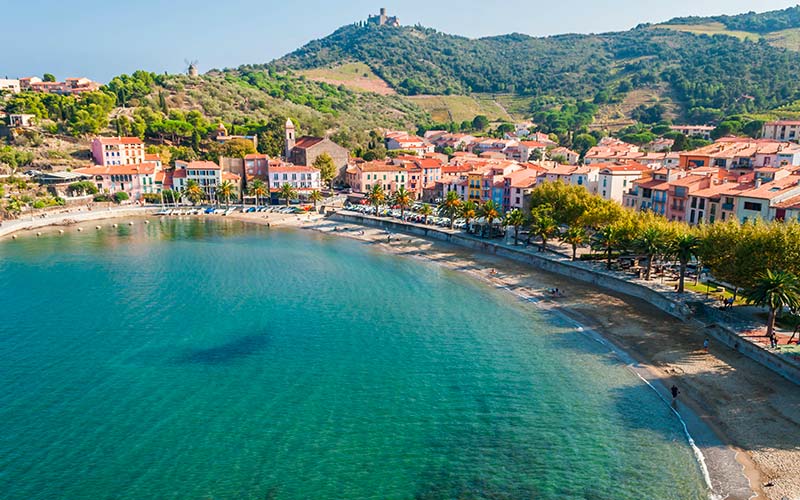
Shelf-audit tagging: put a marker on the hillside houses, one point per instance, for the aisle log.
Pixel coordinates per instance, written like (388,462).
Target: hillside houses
(611,150)
(402,141)
(735,177)
(70,86)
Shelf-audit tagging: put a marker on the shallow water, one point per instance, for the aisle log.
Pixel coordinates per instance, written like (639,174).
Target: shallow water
(194,359)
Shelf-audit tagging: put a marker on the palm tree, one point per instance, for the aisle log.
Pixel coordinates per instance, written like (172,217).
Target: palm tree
(776,291)
(469,211)
(258,189)
(403,199)
(575,237)
(376,197)
(543,225)
(194,192)
(288,193)
(426,211)
(651,242)
(225,191)
(315,197)
(451,206)
(516,219)
(489,211)
(609,238)
(684,247)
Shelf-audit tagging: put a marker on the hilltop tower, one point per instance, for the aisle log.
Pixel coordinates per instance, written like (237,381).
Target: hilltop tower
(290,138)
(383,20)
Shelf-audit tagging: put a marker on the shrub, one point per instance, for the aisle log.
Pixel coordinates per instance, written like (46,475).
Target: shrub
(151,198)
(121,196)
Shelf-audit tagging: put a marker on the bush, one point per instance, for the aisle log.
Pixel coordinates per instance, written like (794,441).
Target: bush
(102,197)
(121,196)
(151,197)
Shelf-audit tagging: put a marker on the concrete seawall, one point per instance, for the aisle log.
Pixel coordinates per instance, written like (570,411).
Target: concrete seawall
(57,219)
(578,271)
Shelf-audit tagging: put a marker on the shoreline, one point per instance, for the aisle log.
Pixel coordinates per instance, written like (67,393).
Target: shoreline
(724,453)
(719,462)
(10,228)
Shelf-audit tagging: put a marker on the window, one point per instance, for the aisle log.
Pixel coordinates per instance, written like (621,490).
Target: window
(755,207)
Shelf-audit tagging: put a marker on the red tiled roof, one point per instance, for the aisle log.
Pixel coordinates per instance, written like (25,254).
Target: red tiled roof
(306,142)
(201,165)
(132,169)
(115,141)
(293,168)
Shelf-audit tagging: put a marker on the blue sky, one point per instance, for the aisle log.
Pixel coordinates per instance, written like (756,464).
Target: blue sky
(102,38)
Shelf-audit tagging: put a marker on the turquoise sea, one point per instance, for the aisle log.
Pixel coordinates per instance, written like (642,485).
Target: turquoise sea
(215,360)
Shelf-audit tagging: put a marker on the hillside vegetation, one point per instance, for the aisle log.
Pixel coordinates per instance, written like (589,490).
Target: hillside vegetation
(705,77)
(753,22)
(180,111)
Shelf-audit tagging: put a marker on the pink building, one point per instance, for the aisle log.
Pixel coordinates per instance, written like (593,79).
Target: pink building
(135,180)
(362,176)
(108,151)
(71,86)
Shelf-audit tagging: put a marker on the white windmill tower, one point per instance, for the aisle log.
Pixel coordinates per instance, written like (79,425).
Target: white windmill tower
(191,67)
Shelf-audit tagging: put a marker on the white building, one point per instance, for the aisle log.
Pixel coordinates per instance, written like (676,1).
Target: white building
(615,180)
(300,177)
(9,85)
(207,174)
(783,130)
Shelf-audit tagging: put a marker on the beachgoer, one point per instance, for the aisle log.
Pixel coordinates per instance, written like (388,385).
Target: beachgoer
(674,390)
(388,238)
(705,345)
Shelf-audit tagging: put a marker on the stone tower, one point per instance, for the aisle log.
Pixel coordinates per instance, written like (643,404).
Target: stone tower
(192,70)
(290,138)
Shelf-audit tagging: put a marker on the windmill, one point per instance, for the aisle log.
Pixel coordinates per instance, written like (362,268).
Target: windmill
(191,67)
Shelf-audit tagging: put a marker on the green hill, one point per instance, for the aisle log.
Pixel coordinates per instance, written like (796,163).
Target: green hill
(704,77)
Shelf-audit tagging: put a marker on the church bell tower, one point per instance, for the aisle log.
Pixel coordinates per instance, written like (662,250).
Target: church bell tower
(290,139)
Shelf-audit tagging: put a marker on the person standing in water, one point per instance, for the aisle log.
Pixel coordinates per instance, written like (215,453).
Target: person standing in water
(674,390)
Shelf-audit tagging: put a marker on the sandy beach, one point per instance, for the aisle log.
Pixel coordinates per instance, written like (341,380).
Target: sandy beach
(754,412)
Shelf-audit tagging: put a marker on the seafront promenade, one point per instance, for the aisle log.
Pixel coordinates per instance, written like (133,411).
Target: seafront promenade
(68,217)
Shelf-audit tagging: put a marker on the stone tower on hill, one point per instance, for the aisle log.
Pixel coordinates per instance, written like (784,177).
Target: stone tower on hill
(383,20)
